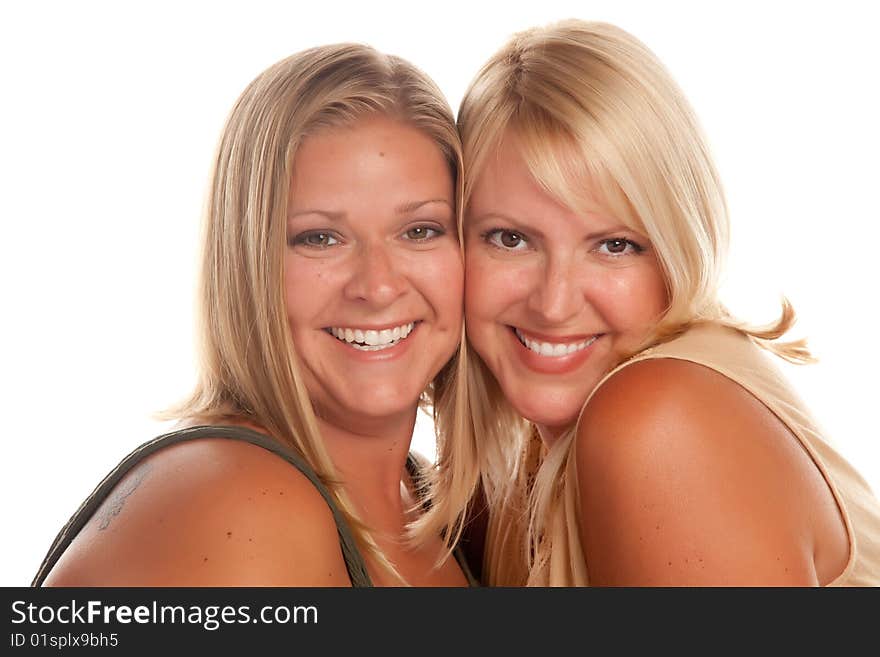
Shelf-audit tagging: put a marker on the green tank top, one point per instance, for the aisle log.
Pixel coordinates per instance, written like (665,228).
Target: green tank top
(354,561)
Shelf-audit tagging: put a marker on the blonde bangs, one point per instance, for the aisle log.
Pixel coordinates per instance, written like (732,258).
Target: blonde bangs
(572,166)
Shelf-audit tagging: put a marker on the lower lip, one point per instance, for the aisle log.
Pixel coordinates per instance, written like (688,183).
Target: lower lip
(379,355)
(551,364)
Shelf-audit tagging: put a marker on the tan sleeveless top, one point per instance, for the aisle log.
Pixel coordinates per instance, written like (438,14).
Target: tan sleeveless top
(737,357)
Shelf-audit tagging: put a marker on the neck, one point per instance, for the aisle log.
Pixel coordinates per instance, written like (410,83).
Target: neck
(371,458)
(549,435)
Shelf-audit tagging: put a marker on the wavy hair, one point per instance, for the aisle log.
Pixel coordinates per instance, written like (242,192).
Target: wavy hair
(593,108)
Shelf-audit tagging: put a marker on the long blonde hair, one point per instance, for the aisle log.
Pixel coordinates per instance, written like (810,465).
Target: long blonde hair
(248,363)
(588,102)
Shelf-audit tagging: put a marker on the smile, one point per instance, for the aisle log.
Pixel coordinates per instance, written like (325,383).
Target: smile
(554,349)
(372,339)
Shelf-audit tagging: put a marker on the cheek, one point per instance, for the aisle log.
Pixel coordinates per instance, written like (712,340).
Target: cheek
(650,292)
(441,277)
(307,289)
(630,298)
(477,279)
(491,286)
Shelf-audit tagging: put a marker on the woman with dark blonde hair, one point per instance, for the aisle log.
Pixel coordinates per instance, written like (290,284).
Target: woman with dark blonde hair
(633,431)
(331,308)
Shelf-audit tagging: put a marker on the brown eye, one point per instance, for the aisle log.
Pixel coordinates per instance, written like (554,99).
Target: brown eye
(510,239)
(617,246)
(507,240)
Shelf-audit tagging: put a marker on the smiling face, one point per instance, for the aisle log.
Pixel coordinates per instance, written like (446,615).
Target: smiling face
(554,298)
(373,270)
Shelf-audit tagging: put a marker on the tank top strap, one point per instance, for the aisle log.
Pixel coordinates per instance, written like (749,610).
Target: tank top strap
(354,561)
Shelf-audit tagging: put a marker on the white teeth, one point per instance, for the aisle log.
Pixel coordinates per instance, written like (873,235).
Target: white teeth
(371,339)
(556,349)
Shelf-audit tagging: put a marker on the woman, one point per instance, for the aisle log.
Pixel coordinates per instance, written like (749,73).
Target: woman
(660,447)
(331,303)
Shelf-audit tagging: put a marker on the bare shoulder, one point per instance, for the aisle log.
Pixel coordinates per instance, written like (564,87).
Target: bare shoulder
(208,512)
(686,478)
(658,391)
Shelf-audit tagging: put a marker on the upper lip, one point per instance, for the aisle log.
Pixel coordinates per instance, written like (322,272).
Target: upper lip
(571,337)
(374,327)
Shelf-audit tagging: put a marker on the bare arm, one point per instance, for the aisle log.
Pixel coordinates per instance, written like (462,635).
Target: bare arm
(208,513)
(686,479)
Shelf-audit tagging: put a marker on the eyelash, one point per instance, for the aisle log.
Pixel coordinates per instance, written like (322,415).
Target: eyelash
(489,238)
(492,236)
(636,248)
(436,230)
(301,239)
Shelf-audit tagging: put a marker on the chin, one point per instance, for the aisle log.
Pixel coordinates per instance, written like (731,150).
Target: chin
(549,412)
(381,406)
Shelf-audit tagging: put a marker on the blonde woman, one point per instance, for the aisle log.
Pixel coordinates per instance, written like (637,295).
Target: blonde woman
(660,445)
(331,305)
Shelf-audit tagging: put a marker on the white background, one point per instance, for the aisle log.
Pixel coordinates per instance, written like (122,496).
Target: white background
(108,121)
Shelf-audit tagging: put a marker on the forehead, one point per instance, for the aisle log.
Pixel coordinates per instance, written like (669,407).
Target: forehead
(511,182)
(504,169)
(373,152)
(374,128)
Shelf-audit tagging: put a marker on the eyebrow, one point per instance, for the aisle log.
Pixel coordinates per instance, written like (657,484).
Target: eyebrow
(332,216)
(411,206)
(403,208)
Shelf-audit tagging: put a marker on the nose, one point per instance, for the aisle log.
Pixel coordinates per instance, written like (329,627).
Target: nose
(556,296)
(375,277)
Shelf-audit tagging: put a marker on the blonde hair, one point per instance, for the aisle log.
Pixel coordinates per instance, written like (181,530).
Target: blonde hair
(592,107)
(248,363)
